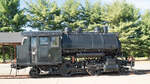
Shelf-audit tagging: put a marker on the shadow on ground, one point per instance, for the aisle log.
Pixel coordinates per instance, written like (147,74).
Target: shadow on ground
(141,72)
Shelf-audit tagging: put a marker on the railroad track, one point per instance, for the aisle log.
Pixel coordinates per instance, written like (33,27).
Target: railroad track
(136,72)
(14,76)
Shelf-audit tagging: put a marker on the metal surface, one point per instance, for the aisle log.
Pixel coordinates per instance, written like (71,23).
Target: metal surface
(42,33)
(90,41)
(90,54)
(34,52)
(49,51)
(23,54)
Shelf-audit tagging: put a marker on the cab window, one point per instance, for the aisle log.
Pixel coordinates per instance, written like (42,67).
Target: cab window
(43,40)
(55,41)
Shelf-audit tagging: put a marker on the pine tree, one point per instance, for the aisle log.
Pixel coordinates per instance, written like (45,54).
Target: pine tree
(145,36)
(11,17)
(71,14)
(44,15)
(124,18)
(92,15)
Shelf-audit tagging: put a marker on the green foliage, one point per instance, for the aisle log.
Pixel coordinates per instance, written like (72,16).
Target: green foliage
(44,15)
(120,16)
(145,36)
(126,19)
(70,12)
(92,15)
(120,11)
(11,17)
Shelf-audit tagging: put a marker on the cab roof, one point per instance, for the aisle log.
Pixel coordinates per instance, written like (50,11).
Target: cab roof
(42,33)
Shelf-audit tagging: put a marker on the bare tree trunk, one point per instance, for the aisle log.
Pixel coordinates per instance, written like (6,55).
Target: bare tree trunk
(3,51)
(14,52)
(11,54)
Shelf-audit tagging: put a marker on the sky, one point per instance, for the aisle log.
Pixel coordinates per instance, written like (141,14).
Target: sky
(142,4)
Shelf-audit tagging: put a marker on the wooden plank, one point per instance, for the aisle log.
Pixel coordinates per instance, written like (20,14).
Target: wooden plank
(10,44)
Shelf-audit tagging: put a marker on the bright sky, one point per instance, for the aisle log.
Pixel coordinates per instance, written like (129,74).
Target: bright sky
(142,4)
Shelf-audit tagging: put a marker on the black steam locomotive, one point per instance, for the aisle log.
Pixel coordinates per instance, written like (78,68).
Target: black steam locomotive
(68,52)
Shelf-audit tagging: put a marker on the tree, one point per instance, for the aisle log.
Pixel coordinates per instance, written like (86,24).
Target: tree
(125,19)
(145,36)
(71,14)
(44,15)
(91,14)
(86,16)
(11,17)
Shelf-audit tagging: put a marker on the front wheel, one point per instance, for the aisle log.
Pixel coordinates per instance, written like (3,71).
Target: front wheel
(34,72)
(66,69)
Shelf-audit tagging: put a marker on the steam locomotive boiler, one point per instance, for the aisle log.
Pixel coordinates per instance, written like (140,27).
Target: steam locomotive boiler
(68,52)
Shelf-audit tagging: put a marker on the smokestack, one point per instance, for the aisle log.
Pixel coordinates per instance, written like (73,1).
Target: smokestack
(105,28)
(97,29)
(68,30)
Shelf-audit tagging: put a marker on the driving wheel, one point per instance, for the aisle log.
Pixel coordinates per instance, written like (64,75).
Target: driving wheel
(34,72)
(66,69)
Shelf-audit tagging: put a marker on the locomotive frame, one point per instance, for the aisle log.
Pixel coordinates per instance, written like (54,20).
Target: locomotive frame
(68,53)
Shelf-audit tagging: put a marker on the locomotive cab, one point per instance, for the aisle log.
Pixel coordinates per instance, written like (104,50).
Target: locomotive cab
(39,48)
